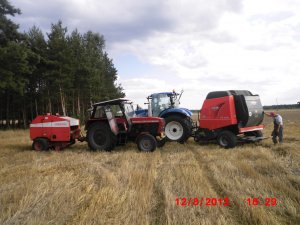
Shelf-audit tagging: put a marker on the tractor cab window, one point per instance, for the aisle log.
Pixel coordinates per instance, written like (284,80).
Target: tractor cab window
(159,103)
(129,110)
(99,112)
(175,101)
(116,111)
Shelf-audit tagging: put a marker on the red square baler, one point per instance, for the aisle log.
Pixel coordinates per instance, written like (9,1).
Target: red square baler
(54,132)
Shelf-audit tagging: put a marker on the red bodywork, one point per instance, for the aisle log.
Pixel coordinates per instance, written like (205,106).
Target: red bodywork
(253,128)
(134,120)
(220,112)
(217,113)
(147,120)
(55,128)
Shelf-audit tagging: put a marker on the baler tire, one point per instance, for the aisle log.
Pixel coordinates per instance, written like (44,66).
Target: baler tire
(227,139)
(257,133)
(146,143)
(40,144)
(72,141)
(185,127)
(104,140)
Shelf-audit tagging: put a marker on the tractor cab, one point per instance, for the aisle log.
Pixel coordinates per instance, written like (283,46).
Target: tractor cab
(117,112)
(116,107)
(159,102)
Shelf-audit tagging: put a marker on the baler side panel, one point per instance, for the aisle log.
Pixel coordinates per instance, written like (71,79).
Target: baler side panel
(51,127)
(217,113)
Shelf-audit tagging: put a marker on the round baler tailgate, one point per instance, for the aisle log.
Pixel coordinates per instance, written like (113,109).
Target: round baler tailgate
(249,110)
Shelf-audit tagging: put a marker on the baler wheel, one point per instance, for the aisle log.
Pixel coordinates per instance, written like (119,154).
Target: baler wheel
(257,133)
(40,144)
(146,143)
(227,139)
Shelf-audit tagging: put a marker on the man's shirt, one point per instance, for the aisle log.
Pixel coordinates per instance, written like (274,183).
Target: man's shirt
(278,120)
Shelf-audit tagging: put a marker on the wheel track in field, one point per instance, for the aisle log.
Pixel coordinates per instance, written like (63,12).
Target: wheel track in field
(235,209)
(84,206)
(159,211)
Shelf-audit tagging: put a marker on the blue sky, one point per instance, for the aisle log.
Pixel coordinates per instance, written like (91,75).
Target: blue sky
(195,45)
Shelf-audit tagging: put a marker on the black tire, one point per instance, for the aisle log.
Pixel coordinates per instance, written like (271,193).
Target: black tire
(189,123)
(178,128)
(100,137)
(72,141)
(257,133)
(40,144)
(162,142)
(197,136)
(227,139)
(146,143)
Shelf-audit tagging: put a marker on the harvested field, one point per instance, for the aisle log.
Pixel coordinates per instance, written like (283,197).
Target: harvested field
(76,186)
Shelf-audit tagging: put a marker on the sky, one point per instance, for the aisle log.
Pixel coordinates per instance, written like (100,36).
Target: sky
(196,46)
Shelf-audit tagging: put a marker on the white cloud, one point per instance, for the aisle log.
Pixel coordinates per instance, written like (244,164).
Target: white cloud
(259,53)
(197,45)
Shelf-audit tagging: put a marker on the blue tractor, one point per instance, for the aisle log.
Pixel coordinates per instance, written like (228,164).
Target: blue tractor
(178,120)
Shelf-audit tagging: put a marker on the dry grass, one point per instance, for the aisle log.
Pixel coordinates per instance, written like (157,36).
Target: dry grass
(76,186)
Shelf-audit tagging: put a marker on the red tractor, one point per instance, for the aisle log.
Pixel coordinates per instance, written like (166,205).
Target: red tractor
(114,123)
(229,117)
(54,132)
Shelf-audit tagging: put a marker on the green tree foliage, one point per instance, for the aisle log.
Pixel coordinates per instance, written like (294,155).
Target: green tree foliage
(63,73)
(15,65)
(8,29)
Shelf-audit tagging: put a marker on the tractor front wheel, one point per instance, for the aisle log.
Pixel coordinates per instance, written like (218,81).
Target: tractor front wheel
(146,143)
(227,139)
(100,137)
(177,128)
(40,144)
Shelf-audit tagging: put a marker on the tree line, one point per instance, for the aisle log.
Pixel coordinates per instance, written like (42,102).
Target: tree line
(60,72)
(283,106)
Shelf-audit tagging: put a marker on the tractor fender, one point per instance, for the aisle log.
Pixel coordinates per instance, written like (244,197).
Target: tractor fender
(88,123)
(182,111)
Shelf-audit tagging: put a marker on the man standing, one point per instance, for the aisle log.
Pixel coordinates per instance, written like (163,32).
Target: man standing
(278,127)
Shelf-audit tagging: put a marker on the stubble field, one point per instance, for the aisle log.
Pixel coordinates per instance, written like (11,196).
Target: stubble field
(76,186)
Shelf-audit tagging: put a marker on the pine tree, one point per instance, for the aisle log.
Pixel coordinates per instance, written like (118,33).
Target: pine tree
(14,64)
(63,74)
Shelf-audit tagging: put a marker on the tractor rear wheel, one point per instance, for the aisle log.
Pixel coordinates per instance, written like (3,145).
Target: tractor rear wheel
(40,144)
(177,128)
(146,143)
(227,139)
(100,137)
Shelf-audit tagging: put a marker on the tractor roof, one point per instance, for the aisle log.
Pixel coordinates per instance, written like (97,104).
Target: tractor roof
(218,94)
(112,102)
(163,93)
